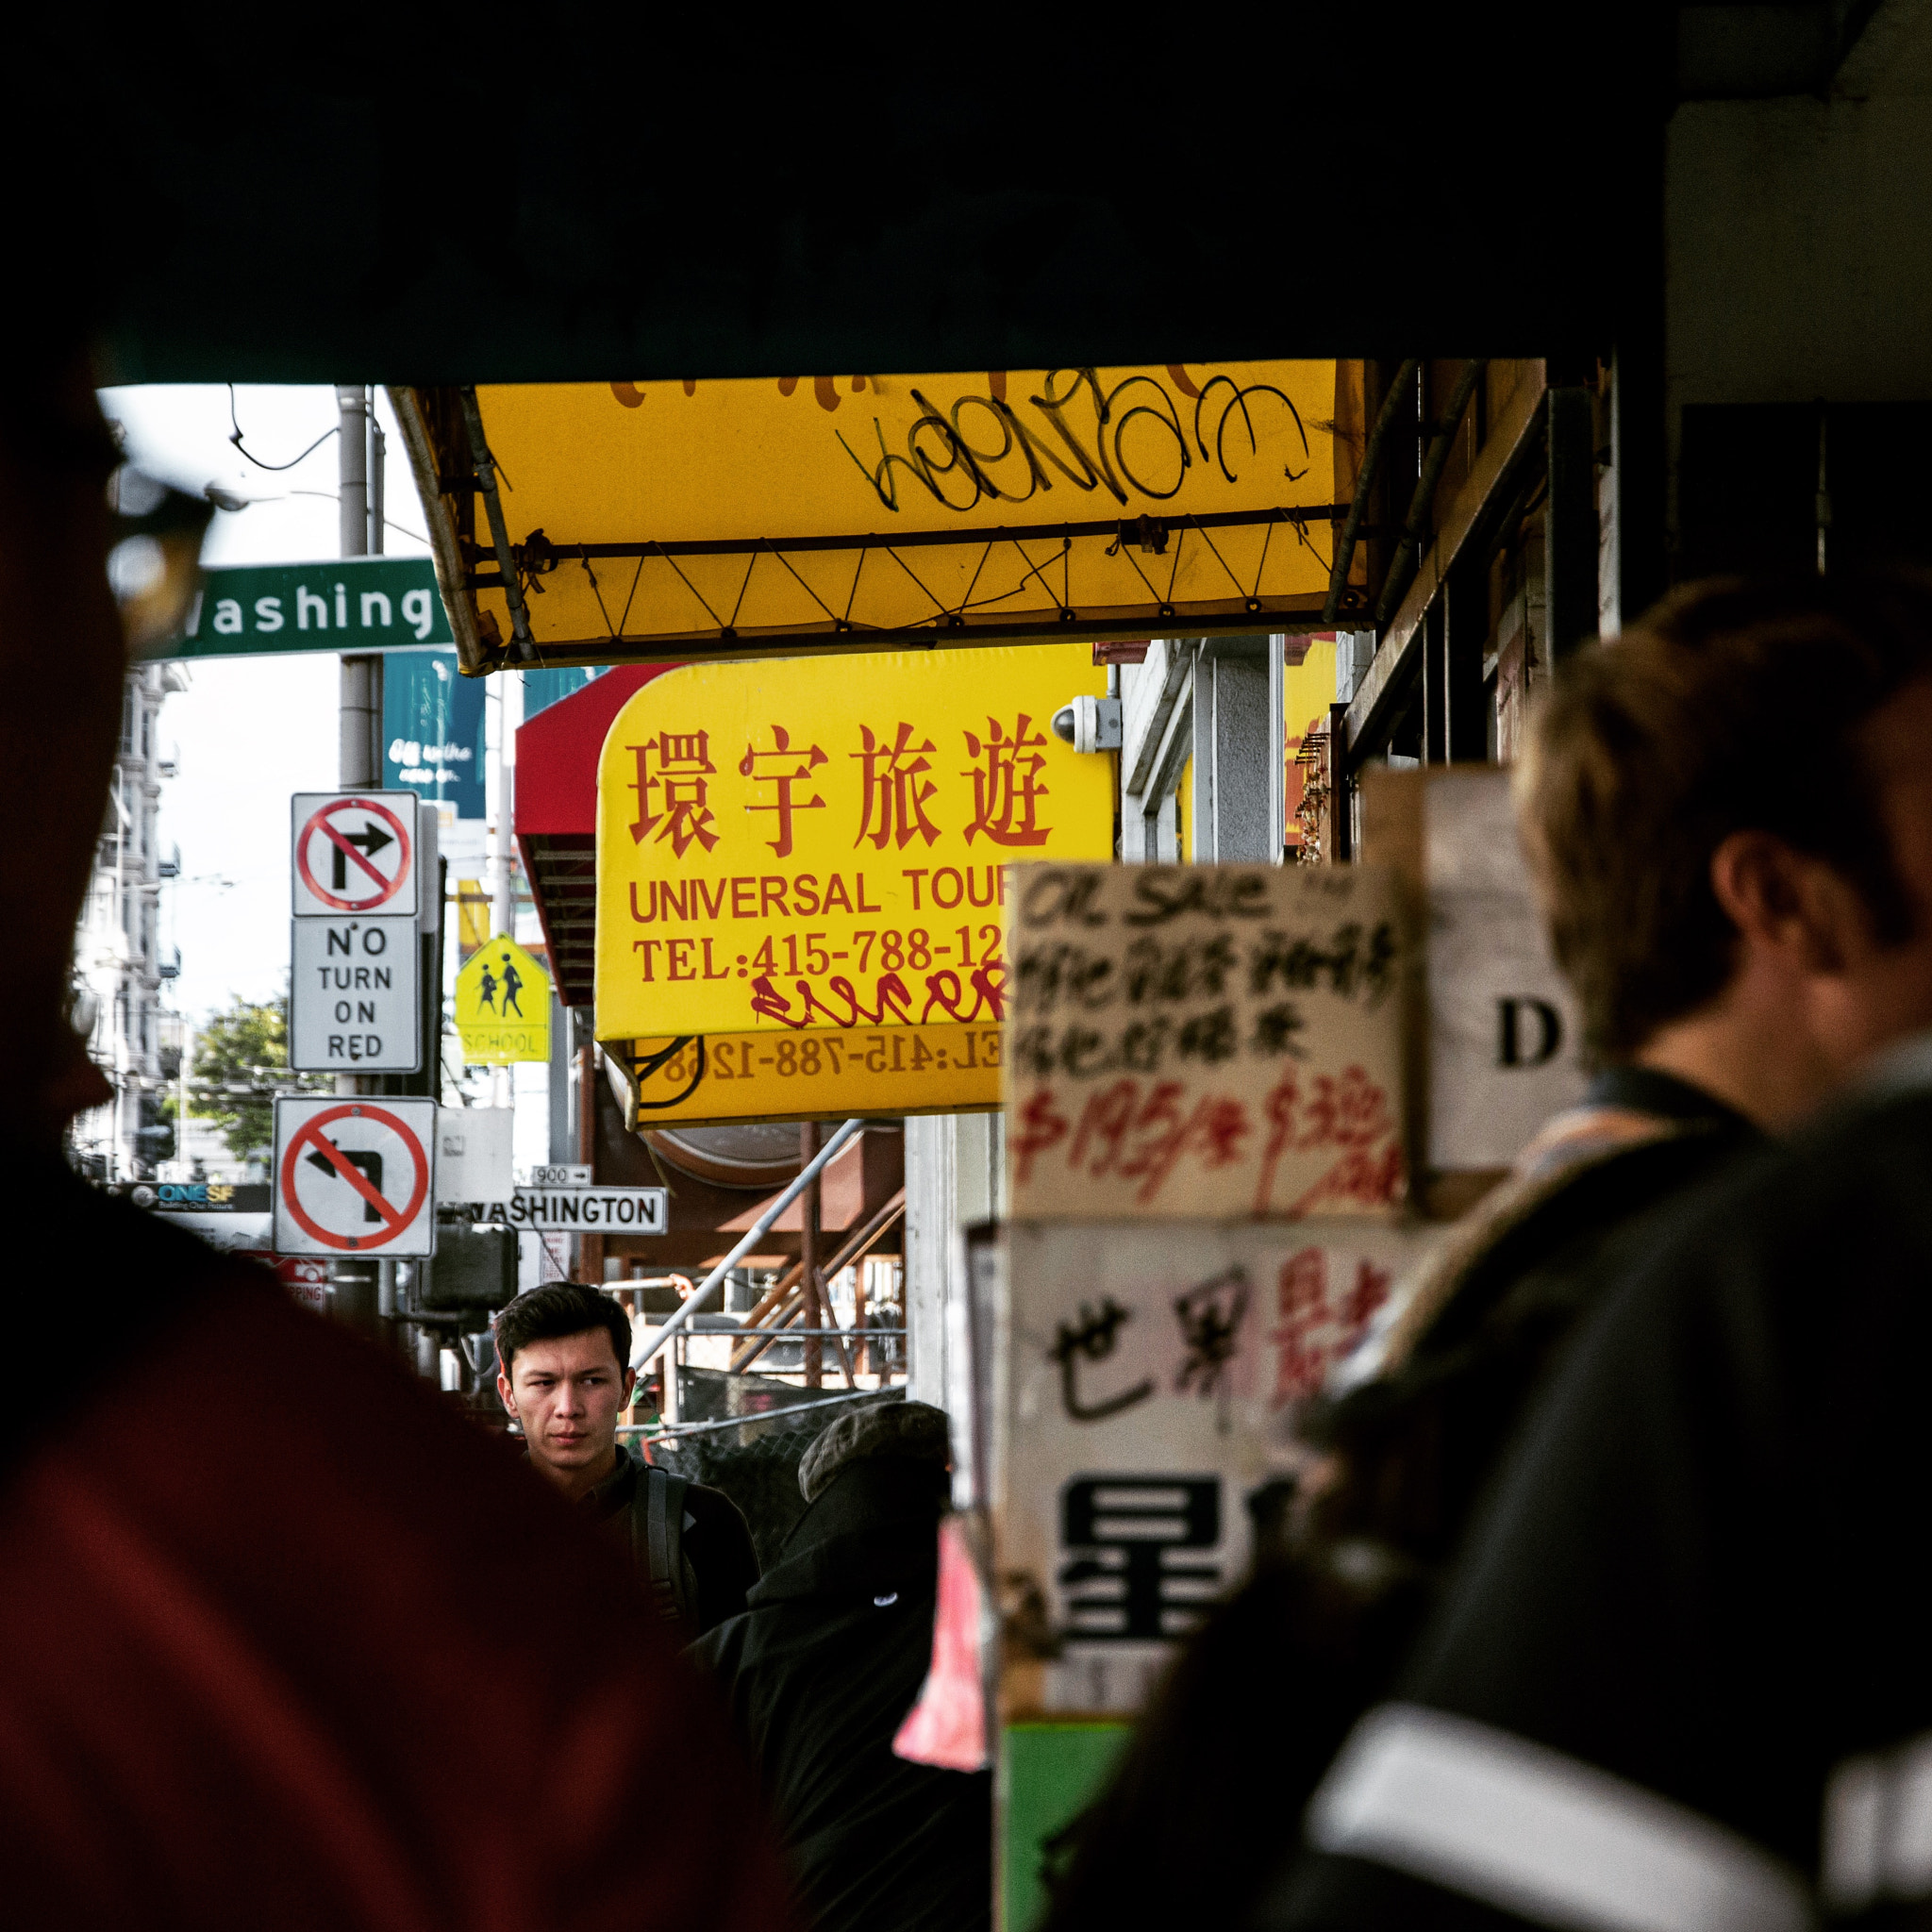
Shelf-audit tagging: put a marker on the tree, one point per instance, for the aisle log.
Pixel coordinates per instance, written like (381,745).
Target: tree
(240,1064)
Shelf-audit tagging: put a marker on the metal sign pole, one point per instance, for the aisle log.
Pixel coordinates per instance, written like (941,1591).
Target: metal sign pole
(358,1282)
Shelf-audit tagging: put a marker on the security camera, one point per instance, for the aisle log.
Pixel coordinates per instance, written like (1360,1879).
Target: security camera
(1089,723)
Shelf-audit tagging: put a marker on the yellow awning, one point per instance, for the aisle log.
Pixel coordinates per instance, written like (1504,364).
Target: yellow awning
(728,519)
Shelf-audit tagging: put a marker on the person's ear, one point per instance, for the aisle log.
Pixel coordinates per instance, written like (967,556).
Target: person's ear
(630,1387)
(1788,904)
(507,1395)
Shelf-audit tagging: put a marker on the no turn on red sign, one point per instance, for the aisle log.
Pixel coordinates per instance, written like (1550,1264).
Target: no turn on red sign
(353,1176)
(354,851)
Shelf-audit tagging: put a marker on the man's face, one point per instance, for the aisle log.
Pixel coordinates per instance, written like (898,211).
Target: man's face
(567,1394)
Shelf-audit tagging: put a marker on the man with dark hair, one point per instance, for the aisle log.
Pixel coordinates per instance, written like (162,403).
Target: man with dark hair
(824,1666)
(1703,809)
(246,1634)
(1680,1677)
(565,1374)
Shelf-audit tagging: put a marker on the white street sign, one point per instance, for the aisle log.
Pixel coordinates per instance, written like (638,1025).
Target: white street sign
(354,853)
(353,1176)
(355,996)
(600,1211)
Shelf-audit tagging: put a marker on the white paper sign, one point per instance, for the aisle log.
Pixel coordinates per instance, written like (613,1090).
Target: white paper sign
(1150,1380)
(1204,1040)
(1502,1023)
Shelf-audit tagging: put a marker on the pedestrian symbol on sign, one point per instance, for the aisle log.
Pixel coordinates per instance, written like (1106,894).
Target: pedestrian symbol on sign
(503,1005)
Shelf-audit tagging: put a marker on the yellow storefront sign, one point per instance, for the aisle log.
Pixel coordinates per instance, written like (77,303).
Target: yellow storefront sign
(795,844)
(710,519)
(818,1075)
(503,1006)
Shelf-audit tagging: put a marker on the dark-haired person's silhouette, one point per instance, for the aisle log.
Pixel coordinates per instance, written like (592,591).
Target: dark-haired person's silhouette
(206,1716)
(512,985)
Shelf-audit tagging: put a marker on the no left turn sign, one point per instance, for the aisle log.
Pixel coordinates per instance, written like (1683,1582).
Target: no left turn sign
(353,1176)
(354,853)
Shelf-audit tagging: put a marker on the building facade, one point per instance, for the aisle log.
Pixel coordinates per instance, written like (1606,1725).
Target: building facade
(120,973)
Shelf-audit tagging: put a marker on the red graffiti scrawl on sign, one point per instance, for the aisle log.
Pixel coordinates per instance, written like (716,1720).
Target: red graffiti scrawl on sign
(1350,1113)
(1149,1131)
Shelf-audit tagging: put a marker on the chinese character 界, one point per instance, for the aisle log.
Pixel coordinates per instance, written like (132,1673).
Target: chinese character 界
(782,768)
(1120,1533)
(896,790)
(1006,784)
(1211,1318)
(683,811)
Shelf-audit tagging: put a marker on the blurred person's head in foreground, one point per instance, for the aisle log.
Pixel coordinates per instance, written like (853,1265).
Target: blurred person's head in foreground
(1728,812)
(564,1374)
(62,661)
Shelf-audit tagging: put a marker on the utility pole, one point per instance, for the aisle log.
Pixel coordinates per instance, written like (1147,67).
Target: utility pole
(363,1287)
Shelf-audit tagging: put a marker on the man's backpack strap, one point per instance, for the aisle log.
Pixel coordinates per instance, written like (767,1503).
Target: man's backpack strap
(660,1501)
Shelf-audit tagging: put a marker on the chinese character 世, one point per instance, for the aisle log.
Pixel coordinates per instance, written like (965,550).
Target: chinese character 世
(782,766)
(1006,784)
(1124,1530)
(896,790)
(683,812)
(1094,1337)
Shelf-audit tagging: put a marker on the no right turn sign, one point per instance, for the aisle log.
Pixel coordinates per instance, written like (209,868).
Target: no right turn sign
(353,1176)
(355,853)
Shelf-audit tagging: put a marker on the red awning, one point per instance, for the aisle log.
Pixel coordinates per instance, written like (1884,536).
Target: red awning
(555,818)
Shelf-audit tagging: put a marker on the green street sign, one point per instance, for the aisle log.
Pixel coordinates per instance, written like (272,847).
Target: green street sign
(357,604)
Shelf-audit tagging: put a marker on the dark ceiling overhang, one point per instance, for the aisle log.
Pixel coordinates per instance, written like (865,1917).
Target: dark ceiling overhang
(503,194)
(538,198)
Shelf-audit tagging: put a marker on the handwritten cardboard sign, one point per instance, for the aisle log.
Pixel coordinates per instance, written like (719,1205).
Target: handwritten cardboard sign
(1204,1042)
(1149,1387)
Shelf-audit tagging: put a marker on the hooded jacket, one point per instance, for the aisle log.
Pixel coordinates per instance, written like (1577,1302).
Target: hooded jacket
(819,1672)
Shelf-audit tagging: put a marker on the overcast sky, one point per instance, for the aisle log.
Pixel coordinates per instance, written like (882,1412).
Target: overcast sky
(251,730)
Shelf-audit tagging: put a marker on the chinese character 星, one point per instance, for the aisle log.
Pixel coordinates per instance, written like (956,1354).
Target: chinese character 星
(782,768)
(1120,1533)
(683,811)
(1006,784)
(896,789)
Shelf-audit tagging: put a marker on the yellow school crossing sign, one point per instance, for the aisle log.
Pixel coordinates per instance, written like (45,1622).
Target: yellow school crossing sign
(503,1006)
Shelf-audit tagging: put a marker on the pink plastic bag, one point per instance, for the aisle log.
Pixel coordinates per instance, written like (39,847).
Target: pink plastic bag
(946,1726)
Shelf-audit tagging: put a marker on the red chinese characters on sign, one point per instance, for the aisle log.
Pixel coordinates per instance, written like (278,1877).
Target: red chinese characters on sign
(1006,784)
(897,789)
(781,768)
(1137,1136)
(1317,1328)
(1149,1131)
(1349,1112)
(674,801)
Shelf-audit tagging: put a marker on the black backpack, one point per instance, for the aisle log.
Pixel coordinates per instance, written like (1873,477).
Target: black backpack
(657,1522)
